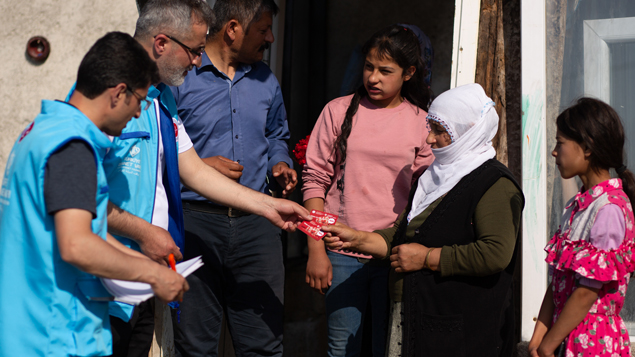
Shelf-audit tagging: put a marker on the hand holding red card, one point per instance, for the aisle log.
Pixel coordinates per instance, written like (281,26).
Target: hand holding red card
(323,218)
(313,228)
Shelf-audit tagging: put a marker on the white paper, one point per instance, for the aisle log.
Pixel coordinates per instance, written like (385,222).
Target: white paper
(134,293)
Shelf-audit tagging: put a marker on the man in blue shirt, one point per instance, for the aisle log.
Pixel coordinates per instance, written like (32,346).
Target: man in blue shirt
(53,239)
(154,152)
(232,109)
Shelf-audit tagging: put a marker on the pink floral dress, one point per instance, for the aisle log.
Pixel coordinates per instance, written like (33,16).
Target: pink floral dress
(572,256)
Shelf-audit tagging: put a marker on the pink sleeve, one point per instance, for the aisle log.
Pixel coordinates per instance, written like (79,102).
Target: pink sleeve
(609,228)
(318,172)
(607,233)
(424,156)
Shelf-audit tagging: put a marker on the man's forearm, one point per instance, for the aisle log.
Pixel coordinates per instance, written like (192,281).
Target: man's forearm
(211,184)
(125,224)
(155,242)
(79,246)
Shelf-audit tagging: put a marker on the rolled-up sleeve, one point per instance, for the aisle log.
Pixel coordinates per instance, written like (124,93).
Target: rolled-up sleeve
(423,159)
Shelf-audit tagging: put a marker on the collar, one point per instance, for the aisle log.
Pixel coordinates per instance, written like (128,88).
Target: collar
(583,199)
(154,92)
(100,141)
(241,71)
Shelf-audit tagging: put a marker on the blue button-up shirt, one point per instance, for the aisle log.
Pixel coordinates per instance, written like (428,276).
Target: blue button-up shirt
(243,119)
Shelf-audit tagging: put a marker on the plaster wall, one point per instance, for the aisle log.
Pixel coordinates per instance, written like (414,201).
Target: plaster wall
(71,27)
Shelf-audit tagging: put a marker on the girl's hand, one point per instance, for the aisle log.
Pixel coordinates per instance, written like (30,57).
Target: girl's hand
(319,272)
(533,351)
(544,351)
(533,346)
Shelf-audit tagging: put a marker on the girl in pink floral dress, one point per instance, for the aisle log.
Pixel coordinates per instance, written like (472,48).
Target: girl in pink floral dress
(590,256)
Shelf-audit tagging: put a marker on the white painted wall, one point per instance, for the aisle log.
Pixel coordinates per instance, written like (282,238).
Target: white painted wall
(71,27)
(534,162)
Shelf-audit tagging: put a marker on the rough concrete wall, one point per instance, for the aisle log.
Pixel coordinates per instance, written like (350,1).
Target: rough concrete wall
(71,27)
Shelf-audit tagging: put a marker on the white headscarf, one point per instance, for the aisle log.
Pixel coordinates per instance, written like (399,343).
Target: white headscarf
(470,119)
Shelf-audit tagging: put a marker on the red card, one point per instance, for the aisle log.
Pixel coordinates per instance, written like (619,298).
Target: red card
(312,229)
(323,218)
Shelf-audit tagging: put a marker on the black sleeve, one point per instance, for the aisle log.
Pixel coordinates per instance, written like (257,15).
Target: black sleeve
(70,179)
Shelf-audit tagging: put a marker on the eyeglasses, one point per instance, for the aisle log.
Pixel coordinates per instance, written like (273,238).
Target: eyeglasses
(195,51)
(144,104)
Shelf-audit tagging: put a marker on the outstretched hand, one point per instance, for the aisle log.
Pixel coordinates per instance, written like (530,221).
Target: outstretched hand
(285,214)
(287,178)
(340,236)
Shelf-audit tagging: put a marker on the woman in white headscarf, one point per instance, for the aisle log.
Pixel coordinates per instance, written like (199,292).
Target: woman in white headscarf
(452,249)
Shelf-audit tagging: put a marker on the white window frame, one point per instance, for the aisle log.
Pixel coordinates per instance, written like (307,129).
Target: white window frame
(465,43)
(598,34)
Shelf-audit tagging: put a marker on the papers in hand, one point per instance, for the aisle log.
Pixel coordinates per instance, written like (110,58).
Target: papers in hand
(134,293)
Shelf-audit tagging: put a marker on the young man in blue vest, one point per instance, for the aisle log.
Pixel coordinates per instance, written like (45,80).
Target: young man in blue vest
(53,239)
(154,152)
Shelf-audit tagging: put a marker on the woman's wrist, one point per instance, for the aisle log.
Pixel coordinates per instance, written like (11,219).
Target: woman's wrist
(426,260)
(370,243)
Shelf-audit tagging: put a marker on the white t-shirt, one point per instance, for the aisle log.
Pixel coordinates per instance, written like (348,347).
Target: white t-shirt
(160,215)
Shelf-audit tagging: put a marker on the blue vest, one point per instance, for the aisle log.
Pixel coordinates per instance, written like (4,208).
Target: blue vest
(44,305)
(131,168)
(132,164)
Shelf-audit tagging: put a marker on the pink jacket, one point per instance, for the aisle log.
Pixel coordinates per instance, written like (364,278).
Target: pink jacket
(387,151)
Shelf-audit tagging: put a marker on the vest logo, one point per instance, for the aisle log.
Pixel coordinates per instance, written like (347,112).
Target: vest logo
(26,131)
(134,151)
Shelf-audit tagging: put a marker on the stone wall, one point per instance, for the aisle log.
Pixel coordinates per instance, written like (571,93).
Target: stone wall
(71,27)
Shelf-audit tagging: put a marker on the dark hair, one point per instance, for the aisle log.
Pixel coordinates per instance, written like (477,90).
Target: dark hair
(401,45)
(113,59)
(597,127)
(245,12)
(172,16)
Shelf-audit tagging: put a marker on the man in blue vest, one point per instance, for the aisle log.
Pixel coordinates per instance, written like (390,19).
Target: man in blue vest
(53,204)
(154,152)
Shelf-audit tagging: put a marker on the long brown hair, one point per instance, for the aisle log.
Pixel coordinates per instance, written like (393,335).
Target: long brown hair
(401,45)
(597,127)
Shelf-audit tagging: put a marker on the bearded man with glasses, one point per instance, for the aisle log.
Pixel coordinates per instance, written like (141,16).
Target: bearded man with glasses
(154,156)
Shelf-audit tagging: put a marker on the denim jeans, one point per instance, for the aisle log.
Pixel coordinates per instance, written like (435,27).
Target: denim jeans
(354,285)
(243,275)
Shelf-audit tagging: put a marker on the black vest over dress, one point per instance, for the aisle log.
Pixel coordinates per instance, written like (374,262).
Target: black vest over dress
(458,315)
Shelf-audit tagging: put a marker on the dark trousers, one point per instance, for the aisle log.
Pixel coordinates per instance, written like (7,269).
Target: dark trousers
(243,276)
(134,338)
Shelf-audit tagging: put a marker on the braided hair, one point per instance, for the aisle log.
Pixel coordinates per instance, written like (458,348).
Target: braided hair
(400,45)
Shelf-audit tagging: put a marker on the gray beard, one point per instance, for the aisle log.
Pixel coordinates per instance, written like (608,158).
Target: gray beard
(173,75)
